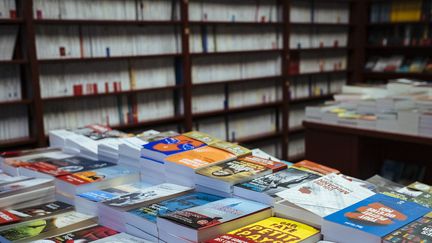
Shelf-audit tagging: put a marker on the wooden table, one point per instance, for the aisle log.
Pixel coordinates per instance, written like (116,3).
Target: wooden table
(361,152)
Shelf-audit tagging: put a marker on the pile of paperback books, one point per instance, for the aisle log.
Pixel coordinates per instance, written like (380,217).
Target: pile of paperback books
(95,184)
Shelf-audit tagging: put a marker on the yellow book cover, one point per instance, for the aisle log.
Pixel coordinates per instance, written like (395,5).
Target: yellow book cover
(273,229)
(394,14)
(235,149)
(409,11)
(200,157)
(202,137)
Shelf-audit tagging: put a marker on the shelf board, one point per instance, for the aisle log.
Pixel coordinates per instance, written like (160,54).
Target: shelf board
(387,24)
(103,59)
(321,25)
(236,52)
(296,158)
(16,102)
(17,142)
(312,98)
(390,48)
(259,137)
(319,73)
(393,75)
(298,129)
(248,23)
(11,21)
(149,123)
(320,49)
(18,61)
(104,22)
(236,110)
(137,91)
(232,81)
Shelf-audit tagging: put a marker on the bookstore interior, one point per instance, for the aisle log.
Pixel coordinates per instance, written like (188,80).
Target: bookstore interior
(216,121)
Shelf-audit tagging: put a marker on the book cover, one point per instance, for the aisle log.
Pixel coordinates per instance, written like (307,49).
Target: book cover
(37,227)
(97,132)
(59,167)
(235,149)
(173,145)
(152,211)
(417,231)
(272,229)
(420,187)
(20,185)
(6,179)
(270,164)
(112,192)
(202,137)
(86,177)
(279,181)
(146,194)
(155,137)
(215,213)
(85,235)
(378,215)
(234,171)
(200,157)
(326,195)
(9,216)
(315,167)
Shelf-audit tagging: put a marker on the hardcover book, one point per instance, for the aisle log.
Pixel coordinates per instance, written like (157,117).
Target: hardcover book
(9,217)
(417,231)
(215,213)
(84,235)
(371,218)
(271,230)
(325,195)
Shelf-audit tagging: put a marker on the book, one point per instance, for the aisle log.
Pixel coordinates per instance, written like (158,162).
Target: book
(13,217)
(205,222)
(90,234)
(42,228)
(420,187)
(315,167)
(272,229)
(159,150)
(26,193)
(202,137)
(7,179)
(371,219)
(145,217)
(123,238)
(417,231)
(235,149)
(224,175)
(311,201)
(263,189)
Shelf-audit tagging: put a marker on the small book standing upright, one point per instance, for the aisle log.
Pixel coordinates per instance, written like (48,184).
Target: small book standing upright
(371,219)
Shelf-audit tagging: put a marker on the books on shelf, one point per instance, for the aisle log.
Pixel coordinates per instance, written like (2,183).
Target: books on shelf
(319,12)
(271,229)
(371,219)
(103,10)
(8,39)
(398,11)
(205,222)
(215,125)
(249,124)
(8,9)
(14,122)
(304,38)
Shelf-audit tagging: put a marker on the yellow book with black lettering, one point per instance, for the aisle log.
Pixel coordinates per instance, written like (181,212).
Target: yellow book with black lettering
(273,229)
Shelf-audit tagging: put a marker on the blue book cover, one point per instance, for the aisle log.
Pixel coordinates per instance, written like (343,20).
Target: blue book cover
(173,145)
(215,213)
(154,210)
(87,177)
(378,215)
(110,193)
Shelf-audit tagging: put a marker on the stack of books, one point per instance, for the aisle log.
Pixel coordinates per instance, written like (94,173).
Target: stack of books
(193,187)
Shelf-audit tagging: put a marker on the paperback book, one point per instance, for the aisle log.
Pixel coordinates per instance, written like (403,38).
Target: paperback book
(417,231)
(90,234)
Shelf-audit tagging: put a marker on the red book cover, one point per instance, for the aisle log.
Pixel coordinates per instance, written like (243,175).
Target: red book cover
(39,14)
(12,14)
(7,218)
(62,51)
(95,88)
(115,87)
(106,87)
(77,89)
(230,239)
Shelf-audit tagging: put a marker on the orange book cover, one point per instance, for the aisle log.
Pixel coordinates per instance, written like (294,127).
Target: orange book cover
(315,167)
(201,157)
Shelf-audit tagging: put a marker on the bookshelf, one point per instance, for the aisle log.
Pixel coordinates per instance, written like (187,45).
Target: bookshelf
(185,23)
(403,34)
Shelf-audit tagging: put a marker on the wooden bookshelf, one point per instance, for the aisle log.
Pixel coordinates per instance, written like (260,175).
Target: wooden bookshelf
(31,65)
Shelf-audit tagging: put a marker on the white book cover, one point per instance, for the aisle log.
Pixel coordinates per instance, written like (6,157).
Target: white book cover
(326,195)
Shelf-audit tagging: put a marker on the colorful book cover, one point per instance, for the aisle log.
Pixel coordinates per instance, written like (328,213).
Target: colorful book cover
(8,216)
(326,195)
(279,181)
(200,157)
(173,145)
(383,184)
(155,137)
(272,229)
(378,215)
(59,167)
(152,211)
(417,231)
(215,213)
(315,167)
(86,177)
(113,192)
(274,166)
(407,194)
(420,187)
(235,171)
(146,194)
(235,149)
(81,236)
(98,132)
(202,137)
(37,227)
(20,185)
